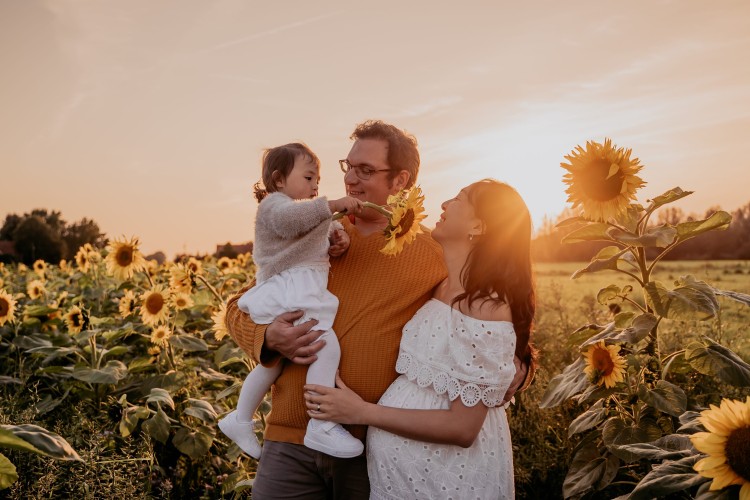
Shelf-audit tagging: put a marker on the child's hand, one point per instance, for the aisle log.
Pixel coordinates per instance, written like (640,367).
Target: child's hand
(339,243)
(346,204)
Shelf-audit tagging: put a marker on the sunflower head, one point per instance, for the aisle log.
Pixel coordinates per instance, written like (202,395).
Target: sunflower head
(220,322)
(40,267)
(602,179)
(160,335)
(82,260)
(225,264)
(194,265)
(604,365)
(407,212)
(180,279)
(154,350)
(7,307)
(727,444)
(64,267)
(35,289)
(154,308)
(181,300)
(76,319)
(124,258)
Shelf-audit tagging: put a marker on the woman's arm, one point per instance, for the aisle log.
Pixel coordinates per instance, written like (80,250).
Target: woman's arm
(458,425)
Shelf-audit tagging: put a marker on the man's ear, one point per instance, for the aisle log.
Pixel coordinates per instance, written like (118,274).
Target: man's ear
(401,180)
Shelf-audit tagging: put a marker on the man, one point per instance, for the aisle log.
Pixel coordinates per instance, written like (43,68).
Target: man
(377,295)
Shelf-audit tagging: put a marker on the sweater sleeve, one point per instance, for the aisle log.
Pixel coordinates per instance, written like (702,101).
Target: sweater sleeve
(292,218)
(249,336)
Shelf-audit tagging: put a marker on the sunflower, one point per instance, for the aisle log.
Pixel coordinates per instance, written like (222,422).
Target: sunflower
(82,260)
(40,267)
(124,258)
(180,280)
(35,289)
(602,179)
(160,335)
(154,350)
(22,268)
(194,265)
(154,308)
(52,304)
(220,322)
(225,265)
(2,282)
(7,307)
(64,266)
(75,318)
(727,444)
(604,364)
(127,304)
(403,227)
(93,253)
(152,266)
(244,259)
(61,298)
(181,300)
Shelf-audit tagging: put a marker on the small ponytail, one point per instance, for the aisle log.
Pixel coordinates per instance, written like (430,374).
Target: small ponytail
(260,193)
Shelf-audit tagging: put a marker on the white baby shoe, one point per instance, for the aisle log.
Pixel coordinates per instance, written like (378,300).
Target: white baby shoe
(242,433)
(332,439)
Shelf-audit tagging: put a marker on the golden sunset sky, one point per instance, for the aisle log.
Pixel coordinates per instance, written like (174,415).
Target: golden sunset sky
(150,116)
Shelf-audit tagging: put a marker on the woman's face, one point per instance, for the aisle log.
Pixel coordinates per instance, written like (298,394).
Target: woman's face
(457,221)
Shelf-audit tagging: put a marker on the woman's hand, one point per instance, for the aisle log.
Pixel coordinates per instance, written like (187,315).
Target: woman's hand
(341,405)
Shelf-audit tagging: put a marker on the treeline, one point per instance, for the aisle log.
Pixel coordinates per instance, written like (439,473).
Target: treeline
(731,244)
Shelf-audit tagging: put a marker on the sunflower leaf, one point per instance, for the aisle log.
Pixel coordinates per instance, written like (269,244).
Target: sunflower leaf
(158,426)
(719,220)
(28,437)
(660,236)
(590,232)
(606,259)
(712,358)
(690,300)
(588,419)
(188,343)
(671,447)
(637,331)
(617,432)
(570,221)
(586,470)
(739,297)
(159,395)
(570,382)
(193,443)
(113,372)
(8,474)
(669,477)
(202,410)
(670,196)
(664,397)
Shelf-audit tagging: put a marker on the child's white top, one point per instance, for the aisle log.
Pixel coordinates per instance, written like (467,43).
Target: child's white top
(290,233)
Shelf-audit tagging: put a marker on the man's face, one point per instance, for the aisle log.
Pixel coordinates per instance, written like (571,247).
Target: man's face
(370,154)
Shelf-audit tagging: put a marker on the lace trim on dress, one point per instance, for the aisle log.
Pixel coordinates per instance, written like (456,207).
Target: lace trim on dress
(425,375)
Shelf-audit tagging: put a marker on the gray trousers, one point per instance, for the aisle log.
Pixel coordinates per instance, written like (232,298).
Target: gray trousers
(289,470)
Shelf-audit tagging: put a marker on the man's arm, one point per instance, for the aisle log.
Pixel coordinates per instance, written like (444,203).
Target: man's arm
(267,344)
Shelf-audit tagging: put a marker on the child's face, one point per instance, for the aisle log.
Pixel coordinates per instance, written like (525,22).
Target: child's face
(302,181)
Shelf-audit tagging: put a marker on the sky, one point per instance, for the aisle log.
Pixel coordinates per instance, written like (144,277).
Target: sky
(150,117)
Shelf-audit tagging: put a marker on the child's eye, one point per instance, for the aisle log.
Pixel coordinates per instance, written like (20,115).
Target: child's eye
(308,178)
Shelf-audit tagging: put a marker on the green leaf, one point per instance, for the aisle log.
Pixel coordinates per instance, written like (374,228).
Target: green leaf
(690,300)
(130,417)
(637,331)
(188,343)
(670,196)
(229,391)
(706,493)
(116,351)
(214,376)
(570,221)
(609,295)
(8,474)
(618,432)
(38,311)
(27,342)
(671,447)
(719,220)
(37,440)
(669,477)
(113,372)
(158,426)
(588,419)
(660,236)
(589,472)
(689,423)
(193,443)
(624,319)
(664,397)
(591,232)
(606,261)
(711,358)
(202,410)
(739,297)
(586,332)
(159,395)
(571,381)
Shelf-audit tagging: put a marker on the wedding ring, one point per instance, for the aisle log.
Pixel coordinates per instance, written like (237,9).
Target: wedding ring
(318,410)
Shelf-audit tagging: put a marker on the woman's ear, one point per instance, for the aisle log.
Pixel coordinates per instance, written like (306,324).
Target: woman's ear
(477,228)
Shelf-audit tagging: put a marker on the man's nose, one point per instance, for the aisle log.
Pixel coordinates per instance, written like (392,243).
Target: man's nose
(350,177)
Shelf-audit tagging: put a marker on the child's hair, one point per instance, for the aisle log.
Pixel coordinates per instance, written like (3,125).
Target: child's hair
(277,164)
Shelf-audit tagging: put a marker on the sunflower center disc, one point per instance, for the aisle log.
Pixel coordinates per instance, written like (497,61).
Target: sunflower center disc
(406,223)
(124,257)
(603,362)
(154,303)
(76,320)
(738,452)
(595,183)
(4,307)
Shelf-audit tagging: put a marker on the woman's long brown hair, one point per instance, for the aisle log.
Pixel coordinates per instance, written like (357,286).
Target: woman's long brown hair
(498,268)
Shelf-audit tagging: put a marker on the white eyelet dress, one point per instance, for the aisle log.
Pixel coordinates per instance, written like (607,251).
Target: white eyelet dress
(445,355)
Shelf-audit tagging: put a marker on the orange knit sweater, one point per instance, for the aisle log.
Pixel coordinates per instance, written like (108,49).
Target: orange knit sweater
(377,295)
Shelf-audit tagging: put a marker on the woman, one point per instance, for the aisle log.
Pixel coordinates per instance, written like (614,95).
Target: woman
(440,431)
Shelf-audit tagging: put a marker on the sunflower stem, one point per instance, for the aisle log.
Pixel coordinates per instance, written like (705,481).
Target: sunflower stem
(378,208)
(148,277)
(210,287)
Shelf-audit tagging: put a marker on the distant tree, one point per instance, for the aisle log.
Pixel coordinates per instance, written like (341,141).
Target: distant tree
(35,239)
(79,233)
(227,251)
(159,257)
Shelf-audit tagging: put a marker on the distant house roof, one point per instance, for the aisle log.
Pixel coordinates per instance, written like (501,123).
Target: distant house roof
(7,247)
(243,248)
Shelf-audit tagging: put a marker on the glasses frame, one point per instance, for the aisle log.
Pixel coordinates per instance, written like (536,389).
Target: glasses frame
(346,167)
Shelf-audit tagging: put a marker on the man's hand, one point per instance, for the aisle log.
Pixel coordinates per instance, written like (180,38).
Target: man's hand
(339,243)
(296,343)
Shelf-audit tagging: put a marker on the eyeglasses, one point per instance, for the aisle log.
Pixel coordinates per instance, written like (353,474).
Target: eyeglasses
(363,172)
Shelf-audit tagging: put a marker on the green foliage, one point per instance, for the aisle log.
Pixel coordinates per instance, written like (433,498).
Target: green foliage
(637,427)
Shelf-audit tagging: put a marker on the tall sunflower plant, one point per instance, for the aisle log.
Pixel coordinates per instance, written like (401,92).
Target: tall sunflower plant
(641,426)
